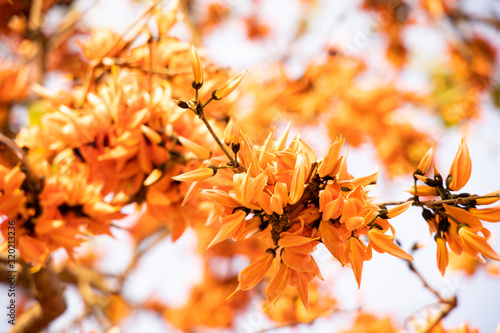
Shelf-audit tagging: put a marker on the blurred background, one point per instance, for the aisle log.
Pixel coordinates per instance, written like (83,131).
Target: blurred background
(393,77)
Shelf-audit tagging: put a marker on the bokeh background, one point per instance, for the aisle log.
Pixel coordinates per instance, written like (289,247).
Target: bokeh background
(260,35)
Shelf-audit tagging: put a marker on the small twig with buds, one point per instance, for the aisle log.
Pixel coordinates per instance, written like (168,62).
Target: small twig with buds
(431,203)
(199,108)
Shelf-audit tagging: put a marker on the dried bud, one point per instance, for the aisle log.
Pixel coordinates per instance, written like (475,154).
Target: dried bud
(181,104)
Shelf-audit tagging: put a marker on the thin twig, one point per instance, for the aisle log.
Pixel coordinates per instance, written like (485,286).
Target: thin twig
(430,203)
(449,304)
(95,63)
(216,138)
(424,282)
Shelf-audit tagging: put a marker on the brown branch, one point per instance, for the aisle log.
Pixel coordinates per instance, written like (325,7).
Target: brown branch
(51,302)
(430,203)
(95,63)
(33,181)
(424,282)
(448,304)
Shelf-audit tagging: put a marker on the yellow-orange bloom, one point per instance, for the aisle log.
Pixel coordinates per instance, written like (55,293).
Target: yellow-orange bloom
(330,164)
(255,272)
(395,211)
(278,284)
(199,174)
(332,239)
(199,151)
(473,243)
(381,243)
(153,177)
(298,181)
(357,253)
(488,201)
(425,162)
(441,254)
(229,86)
(197,68)
(151,134)
(232,225)
(463,216)
(460,168)
(491,214)
(221,198)
(422,190)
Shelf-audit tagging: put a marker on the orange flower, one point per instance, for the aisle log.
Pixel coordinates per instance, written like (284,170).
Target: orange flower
(425,162)
(357,253)
(197,68)
(278,284)
(474,244)
(231,225)
(220,198)
(331,201)
(200,174)
(152,177)
(298,180)
(229,86)
(381,243)
(332,238)
(330,165)
(395,211)
(423,190)
(300,280)
(488,201)
(491,214)
(460,168)
(166,19)
(300,262)
(255,272)
(442,254)
(463,216)
(199,151)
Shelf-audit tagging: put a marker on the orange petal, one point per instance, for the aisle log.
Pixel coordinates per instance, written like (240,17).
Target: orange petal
(230,225)
(298,181)
(196,67)
(442,255)
(199,174)
(255,272)
(425,162)
(229,86)
(302,287)
(395,211)
(381,243)
(460,168)
(278,284)
(331,158)
(220,198)
(463,216)
(491,214)
(477,243)
(294,240)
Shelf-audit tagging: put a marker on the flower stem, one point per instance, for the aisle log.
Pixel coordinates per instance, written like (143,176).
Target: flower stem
(201,115)
(430,203)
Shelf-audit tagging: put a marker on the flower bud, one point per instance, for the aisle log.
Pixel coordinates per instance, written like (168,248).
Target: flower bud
(197,68)
(228,86)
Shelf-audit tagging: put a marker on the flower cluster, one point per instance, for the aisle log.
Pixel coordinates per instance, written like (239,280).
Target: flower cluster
(121,145)
(455,220)
(287,195)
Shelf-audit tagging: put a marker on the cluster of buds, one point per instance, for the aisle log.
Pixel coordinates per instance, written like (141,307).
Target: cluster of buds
(455,220)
